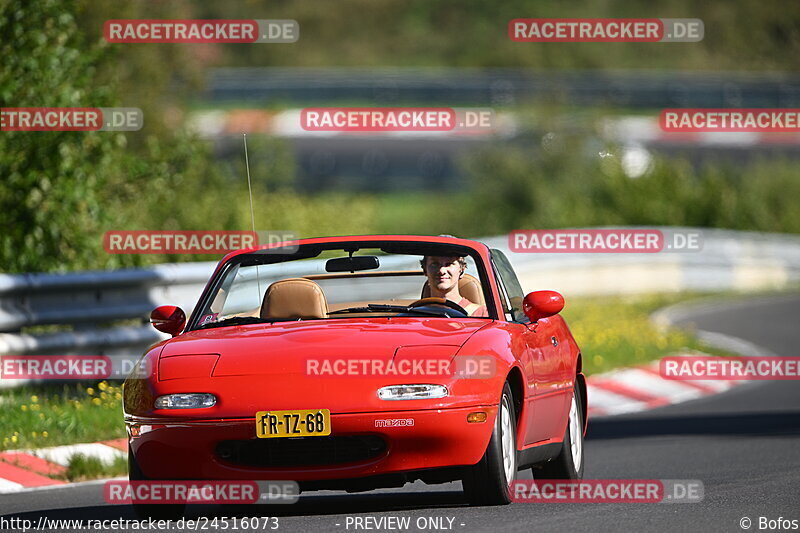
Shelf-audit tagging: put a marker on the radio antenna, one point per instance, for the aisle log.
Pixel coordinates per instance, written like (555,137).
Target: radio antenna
(252,213)
(249,185)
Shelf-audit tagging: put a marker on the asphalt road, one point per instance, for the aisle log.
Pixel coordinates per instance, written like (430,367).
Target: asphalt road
(743,445)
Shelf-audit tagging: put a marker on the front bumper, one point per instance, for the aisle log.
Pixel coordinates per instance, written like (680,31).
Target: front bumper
(188,449)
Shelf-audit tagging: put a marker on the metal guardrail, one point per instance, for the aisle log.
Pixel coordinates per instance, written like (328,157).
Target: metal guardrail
(91,297)
(729,261)
(92,304)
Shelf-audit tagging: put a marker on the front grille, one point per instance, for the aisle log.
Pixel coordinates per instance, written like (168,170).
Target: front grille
(301,451)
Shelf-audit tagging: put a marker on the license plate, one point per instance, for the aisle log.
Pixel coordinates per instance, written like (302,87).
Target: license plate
(305,423)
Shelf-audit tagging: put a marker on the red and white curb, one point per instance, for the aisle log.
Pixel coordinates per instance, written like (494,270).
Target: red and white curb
(629,390)
(25,469)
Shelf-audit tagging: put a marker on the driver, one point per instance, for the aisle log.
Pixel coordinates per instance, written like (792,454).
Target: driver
(443,274)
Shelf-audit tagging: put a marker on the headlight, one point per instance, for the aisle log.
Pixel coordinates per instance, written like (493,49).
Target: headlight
(412,392)
(186,401)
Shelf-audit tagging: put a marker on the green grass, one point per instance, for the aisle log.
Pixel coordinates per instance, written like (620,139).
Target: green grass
(81,468)
(42,416)
(419,213)
(616,331)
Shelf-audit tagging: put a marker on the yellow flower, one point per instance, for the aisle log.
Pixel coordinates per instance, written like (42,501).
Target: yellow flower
(96,401)
(45,434)
(33,434)
(90,391)
(102,385)
(23,407)
(34,399)
(13,438)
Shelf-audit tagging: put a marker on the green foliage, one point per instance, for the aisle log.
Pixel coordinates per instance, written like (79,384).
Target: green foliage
(517,187)
(739,34)
(39,416)
(49,199)
(82,467)
(61,191)
(630,338)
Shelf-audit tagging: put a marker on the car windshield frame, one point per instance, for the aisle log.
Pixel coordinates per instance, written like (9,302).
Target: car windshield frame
(295,252)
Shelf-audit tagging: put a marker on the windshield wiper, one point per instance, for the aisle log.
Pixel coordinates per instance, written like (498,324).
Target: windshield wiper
(234,321)
(371,308)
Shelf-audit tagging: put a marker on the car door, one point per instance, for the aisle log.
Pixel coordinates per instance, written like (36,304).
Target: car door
(543,362)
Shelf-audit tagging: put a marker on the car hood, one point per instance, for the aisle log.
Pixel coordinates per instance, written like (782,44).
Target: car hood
(265,366)
(277,348)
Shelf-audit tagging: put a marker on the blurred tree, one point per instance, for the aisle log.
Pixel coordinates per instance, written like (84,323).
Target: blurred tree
(739,34)
(50,198)
(519,187)
(61,191)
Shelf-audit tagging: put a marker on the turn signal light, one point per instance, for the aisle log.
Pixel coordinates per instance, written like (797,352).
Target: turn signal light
(477,417)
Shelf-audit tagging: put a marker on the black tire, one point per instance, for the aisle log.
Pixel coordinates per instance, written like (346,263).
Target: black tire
(156,511)
(487,483)
(563,466)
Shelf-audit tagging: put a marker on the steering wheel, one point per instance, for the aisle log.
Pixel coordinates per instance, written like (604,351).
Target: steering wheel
(433,300)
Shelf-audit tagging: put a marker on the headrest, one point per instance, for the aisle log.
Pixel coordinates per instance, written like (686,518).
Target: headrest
(294,298)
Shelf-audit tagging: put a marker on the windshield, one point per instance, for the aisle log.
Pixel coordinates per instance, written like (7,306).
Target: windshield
(381,284)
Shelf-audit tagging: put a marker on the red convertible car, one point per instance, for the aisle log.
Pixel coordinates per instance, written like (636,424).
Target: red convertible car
(310,361)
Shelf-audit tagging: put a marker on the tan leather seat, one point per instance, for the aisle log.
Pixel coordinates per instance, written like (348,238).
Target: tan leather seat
(294,298)
(468,286)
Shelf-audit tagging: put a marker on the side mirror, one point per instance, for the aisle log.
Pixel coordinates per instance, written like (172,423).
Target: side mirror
(168,318)
(542,304)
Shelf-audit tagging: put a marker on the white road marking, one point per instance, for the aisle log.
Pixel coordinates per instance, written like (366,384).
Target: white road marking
(62,454)
(7,486)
